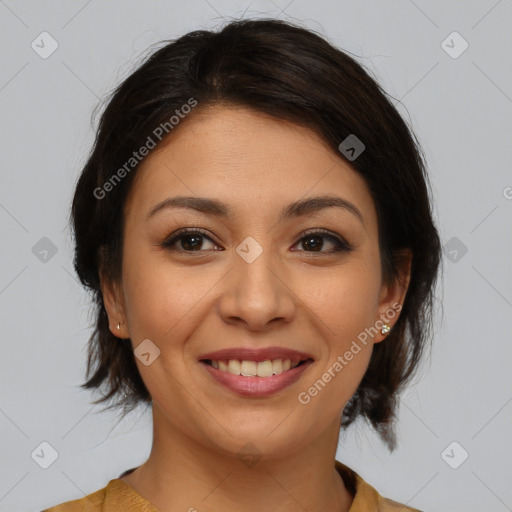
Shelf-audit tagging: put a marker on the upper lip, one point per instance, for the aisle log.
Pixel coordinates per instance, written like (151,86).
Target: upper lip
(259,354)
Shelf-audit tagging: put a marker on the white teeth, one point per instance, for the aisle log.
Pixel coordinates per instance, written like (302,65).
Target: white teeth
(265,368)
(234,367)
(248,368)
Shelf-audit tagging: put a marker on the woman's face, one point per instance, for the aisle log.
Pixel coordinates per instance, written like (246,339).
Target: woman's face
(258,275)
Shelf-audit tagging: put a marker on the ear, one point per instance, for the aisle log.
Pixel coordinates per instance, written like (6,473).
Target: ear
(392,294)
(114,304)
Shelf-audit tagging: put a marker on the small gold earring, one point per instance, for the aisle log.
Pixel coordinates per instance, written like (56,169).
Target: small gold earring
(385,329)
(118,326)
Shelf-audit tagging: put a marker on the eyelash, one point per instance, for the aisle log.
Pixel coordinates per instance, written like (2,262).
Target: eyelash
(341,244)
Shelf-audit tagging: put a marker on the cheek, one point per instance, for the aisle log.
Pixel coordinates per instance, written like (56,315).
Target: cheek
(345,309)
(337,376)
(161,297)
(345,300)
(163,302)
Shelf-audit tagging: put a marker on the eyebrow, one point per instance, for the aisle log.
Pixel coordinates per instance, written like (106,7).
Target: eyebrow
(219,209)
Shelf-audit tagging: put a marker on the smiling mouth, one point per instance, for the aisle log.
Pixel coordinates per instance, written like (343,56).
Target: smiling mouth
(247,368)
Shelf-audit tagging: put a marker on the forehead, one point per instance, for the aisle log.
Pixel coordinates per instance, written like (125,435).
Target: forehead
(245,158)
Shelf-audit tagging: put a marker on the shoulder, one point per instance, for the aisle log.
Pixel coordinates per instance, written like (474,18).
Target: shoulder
(116,496)
(366,498)
(93,501)
(102,500)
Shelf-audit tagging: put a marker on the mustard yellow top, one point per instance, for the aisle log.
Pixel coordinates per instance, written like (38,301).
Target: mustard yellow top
(119,496)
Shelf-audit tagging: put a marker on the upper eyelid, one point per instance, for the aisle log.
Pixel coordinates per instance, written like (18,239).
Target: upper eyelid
(177,235)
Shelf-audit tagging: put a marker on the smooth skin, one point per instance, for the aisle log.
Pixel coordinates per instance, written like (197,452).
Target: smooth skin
(198,295)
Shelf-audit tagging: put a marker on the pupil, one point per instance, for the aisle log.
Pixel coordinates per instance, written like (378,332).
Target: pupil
(192,246)
(311,243)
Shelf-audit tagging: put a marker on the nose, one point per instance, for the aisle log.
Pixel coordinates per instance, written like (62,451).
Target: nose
(257,294)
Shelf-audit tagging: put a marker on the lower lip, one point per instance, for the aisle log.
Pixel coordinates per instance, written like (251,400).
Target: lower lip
(257,386)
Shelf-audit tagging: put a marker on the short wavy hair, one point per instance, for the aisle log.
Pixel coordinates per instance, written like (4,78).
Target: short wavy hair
(291,73)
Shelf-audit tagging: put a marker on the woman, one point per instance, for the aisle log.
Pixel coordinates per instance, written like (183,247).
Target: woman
(254,222)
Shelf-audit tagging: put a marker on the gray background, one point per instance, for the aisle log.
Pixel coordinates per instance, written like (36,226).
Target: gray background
(459,107)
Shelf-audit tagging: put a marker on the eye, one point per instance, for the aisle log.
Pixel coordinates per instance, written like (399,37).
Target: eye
(191,240)
(313,240)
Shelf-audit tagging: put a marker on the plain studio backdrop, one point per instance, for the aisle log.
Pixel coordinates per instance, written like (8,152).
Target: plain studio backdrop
(447,66)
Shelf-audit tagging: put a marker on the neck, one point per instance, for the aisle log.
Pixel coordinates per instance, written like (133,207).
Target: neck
(183,474)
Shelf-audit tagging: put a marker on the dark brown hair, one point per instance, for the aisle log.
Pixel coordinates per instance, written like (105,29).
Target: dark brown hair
(291,73)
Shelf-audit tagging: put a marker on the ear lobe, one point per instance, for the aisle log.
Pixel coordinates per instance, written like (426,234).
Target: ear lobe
(114,305)
(393,293)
